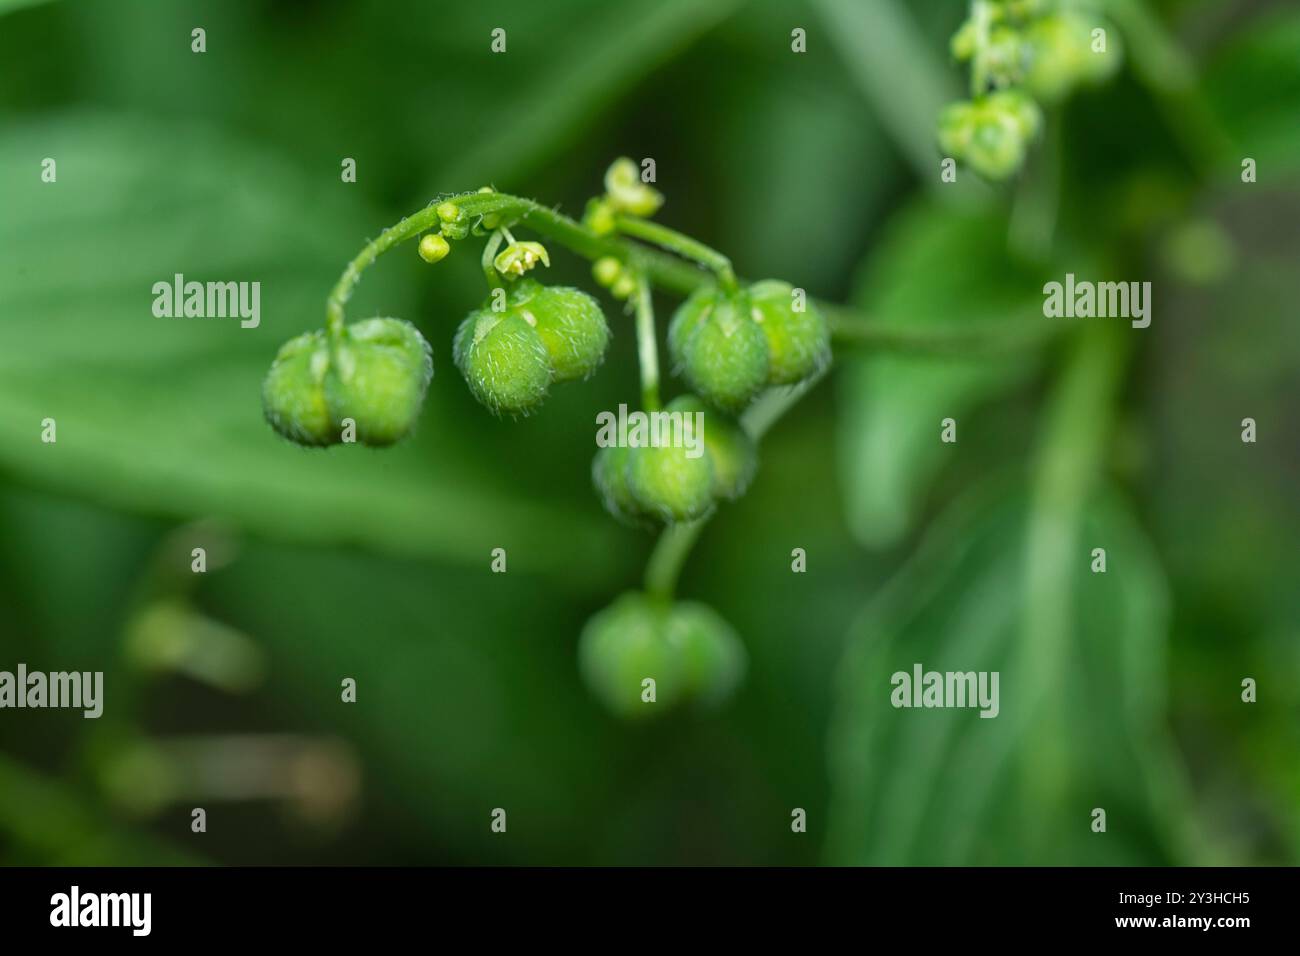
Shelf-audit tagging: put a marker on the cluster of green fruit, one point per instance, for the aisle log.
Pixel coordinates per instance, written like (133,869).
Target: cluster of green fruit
(372,378)
(664,483)
(689,653)
(541,335)
(1023,53)
(366,382)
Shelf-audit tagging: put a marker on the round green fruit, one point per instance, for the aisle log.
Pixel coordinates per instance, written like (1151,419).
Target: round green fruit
(609,474)
(668,484)
(293,392)
(624,645)
(712,656)
(504,361)
(378,378)
(570,322)
(719,349)
(732,453)
(798,342)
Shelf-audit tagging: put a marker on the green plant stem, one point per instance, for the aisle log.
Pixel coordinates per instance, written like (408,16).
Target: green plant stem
(669,555)
(490,248)
(647,347)
(676,541)
(684,246)
(661,271)
(980,16)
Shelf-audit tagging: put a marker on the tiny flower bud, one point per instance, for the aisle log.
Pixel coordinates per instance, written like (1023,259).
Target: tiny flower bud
(623,287)
(433,248)
(448,211)
(599,217)
(606,270)
(627,193)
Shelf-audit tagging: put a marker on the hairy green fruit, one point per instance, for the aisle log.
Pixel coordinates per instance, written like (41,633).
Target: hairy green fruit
(990,134)
(380,372)
(609,475)
(504,361)
(731,451)
(293,393)
(623,645)
(719,348)
(712,656)
(798,342)
(686,648)
(570,322)
(668,484)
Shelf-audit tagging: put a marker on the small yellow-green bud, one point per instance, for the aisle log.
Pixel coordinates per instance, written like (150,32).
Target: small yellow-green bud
(626,192)
(606,270)
(433,248)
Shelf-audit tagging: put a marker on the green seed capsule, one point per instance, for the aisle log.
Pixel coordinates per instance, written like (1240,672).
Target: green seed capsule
(570,322)
(1019,107)
(503,360)
(732,453)
(712,656)
(609,475)
(624,645)
(956,126)
(719,349)
(666,483)
(997,147)
(798,343)
(293,393)
(381,371)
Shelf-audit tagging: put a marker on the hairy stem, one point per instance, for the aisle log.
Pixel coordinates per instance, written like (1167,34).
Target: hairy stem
(647,347)
(684,246)
(661,271)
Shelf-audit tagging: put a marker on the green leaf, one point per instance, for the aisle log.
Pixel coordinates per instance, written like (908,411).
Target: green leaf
(934,266)
(948,787)
(1253,84)
(163,415)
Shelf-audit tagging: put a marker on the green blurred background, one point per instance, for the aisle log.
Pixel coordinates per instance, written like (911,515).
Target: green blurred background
(1119,691)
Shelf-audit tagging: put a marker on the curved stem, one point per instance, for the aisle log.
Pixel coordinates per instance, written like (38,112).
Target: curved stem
(662,271)
(647,347)
(683,245)
(665,564)
(490,248)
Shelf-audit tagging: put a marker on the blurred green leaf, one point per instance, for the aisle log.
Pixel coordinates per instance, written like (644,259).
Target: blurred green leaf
(163,415)
(1253,84)
(944,786)
(934,265)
